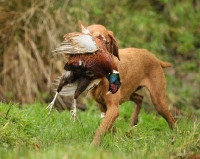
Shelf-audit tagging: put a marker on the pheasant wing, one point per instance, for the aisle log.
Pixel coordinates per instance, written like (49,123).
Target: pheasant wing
(77,43)
(69,90)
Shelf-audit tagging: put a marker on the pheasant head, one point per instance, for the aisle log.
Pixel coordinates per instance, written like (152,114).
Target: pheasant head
(114,82)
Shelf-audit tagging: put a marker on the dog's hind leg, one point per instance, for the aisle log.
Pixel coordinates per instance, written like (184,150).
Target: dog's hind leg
(157,88)
(137,98)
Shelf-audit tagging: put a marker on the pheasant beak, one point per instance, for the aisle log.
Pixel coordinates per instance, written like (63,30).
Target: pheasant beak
(109,92)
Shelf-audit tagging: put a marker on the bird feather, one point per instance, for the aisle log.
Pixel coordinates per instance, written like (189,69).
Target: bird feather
(69,89)
(77,43)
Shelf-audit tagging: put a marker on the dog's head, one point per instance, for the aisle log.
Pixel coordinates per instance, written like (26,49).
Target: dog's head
(111,43)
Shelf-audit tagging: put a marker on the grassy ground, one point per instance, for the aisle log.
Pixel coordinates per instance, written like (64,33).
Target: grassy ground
(32,133)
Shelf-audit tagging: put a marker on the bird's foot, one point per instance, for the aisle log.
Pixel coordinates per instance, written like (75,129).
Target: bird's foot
(51,105)
(74,116)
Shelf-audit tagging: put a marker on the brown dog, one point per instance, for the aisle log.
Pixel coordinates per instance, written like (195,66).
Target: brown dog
(138,68)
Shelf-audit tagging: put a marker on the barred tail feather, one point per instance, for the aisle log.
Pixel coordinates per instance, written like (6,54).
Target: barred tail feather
(69,90)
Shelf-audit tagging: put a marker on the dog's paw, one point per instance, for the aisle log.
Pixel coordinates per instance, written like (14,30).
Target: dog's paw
(103,115)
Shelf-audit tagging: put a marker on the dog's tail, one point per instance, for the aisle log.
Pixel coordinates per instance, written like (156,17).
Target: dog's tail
(165,64)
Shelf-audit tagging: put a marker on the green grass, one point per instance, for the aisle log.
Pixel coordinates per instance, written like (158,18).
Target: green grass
(32,133)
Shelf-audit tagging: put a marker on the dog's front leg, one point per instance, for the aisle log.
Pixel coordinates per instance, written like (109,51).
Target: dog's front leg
(111,114)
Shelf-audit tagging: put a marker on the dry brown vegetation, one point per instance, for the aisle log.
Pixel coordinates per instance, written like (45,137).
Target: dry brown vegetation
(29,32)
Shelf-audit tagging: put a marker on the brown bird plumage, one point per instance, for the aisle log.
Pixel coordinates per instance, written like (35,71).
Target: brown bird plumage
(99,63)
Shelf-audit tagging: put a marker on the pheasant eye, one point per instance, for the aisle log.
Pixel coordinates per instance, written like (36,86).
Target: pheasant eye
(89,73)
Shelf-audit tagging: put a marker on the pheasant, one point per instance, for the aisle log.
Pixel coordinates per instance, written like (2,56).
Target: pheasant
(87,62)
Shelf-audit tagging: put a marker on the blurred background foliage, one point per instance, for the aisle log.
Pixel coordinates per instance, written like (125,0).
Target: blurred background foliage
(31,29)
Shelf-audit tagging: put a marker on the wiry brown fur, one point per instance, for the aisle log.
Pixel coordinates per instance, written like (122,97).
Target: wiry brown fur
(111,43)
(138,68)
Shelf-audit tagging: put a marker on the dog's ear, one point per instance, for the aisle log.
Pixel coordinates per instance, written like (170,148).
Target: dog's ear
(113,44)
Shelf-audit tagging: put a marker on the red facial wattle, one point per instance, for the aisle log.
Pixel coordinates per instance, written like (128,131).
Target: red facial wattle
(113,88)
